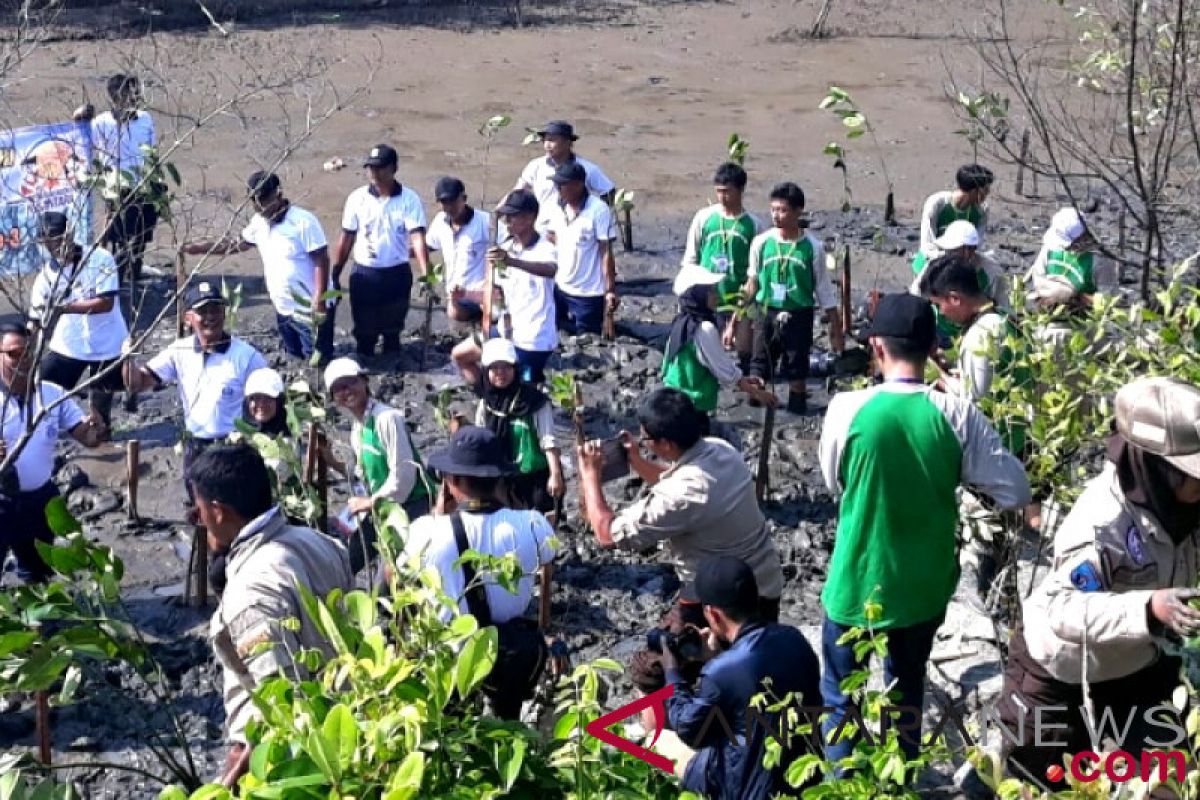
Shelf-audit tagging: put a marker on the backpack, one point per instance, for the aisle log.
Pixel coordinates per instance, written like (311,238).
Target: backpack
(522,651)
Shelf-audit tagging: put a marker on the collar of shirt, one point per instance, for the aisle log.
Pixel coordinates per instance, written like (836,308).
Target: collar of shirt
(462,226)
(397,188)
(280,214)
(747,628)
(220,347)
(254,526)
(568,160)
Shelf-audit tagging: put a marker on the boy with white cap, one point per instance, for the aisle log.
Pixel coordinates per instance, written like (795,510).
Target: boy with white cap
(1065,272)
(522,418)
(694,362)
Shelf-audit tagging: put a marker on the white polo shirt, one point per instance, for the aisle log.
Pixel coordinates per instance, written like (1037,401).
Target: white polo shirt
(464,251)
(522,533)
(577,239)
(210,384)
(87,337)
(285,248)
(539,171)
(530,299)
(35,464)
(119,145)
(382,225)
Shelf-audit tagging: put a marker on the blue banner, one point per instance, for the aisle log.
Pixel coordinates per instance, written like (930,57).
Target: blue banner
(42,168)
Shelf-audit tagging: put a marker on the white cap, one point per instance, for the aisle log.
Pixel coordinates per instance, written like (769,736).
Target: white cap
(695,275)
(341,368)
(499,351)
(1065,227)
(264,381)
(959,233)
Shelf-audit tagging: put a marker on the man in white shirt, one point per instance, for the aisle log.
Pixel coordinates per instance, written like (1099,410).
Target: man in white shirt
(558,138)
(582,229)
(295,260)
(74,302)
(472,468)
(382,224)
(462,235)
(26,484)
(210,368)
(118,137)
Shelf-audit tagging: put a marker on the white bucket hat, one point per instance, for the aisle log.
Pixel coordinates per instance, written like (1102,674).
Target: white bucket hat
(265,381)
(696,275)
(1065,227)
(959,233)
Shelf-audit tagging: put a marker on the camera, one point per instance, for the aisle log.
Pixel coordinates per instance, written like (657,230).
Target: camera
(685,645)
(824,364)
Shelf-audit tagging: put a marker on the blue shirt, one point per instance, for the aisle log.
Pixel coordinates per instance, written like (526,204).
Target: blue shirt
(726,767)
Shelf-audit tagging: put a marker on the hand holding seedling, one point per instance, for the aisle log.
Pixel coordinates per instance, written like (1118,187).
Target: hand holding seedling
(1173,610)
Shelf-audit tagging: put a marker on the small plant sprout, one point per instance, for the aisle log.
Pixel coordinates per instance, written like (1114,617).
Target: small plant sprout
(488,131)
(839,102)
(838,154)
(623,206)
(986,114)
(737,148)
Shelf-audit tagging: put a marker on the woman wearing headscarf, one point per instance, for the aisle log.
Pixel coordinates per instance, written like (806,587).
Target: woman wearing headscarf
(522,418)
(694,361)
(1125,561)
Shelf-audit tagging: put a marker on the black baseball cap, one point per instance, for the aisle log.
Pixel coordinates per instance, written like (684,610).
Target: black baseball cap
(726,582)
(381,155)
(448,188)
(570,171)
(262,183)
(519,201)
(905,316)
(558,127)
(203,293)
(53,223)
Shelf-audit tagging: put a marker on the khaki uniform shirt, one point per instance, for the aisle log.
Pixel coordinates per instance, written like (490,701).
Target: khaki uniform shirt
(1109,558)
(704,505)
(267,561)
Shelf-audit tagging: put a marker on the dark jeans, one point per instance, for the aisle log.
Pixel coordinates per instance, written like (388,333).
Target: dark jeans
(533,364)
(66,372)
(379,299)
(297,338)
(23,524)
(132,228)
(907,654)
(577,315)
(781,351)
(1030,691)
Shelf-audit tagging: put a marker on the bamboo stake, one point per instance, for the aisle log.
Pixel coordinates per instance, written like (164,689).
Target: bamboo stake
(627,228)
(846,302)
(200,549)
(132,458)
(180,281)
(889,209)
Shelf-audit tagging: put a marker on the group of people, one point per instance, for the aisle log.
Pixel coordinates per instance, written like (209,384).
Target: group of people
(748,298)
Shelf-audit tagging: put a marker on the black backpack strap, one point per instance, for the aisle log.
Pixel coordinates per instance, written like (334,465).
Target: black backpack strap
(477,602)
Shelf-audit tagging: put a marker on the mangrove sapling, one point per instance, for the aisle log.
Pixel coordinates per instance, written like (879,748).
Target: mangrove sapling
(737,149)
(839,102)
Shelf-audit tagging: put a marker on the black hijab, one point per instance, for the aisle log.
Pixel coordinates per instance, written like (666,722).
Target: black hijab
(1150,481)
(515,401)
(275,426)
(693,310)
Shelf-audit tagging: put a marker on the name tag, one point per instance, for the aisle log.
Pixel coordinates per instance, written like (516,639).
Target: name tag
(778,292)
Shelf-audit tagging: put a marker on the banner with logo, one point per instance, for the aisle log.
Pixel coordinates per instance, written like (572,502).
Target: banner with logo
(42,168)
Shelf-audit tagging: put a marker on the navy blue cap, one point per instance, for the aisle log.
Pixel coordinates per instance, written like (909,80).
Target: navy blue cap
(474,452)
(570,171)
(558,127)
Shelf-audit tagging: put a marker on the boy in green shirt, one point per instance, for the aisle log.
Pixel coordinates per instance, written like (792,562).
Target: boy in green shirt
(787,279)
(967,201)
(897,453)
(719,240)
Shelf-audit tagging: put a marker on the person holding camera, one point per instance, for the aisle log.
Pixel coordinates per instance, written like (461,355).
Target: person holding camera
(702,504)
(752,657)
(26,484)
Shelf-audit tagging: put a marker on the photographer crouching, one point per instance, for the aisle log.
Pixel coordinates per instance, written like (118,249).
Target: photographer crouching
(715,754)
(701,503)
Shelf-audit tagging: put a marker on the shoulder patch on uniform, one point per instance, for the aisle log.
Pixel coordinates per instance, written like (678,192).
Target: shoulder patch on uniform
(1086,578)
(1135,545)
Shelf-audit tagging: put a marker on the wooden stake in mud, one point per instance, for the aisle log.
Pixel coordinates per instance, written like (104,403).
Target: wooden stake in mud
(200,549)
(762,480)
(316,473)
(180,280)
(133,450)
(1021,162)
(627,228)
(42,724)
(889,209)
(847,311)
(427,328)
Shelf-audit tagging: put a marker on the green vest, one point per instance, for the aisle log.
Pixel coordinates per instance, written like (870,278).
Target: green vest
(895,543)
(375,464)
(786,275)
(950,213)
(725,247)
(685,373)
(527,452)
(1075,267)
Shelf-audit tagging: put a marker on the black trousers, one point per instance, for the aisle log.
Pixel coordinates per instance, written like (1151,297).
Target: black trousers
(23,524)
(67,372)
(131,229)
(379,299)
(781,350)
